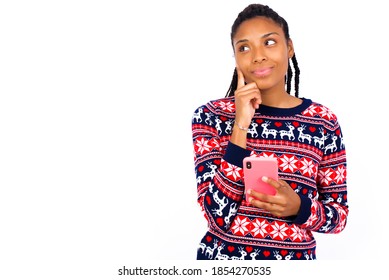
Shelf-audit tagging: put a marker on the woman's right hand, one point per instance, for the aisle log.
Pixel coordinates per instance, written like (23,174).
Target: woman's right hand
(247,99)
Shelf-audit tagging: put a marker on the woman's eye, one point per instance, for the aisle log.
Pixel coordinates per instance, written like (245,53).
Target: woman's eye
(270,42)
(243,48)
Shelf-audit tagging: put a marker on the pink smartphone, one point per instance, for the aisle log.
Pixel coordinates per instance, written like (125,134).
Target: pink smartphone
(254,168)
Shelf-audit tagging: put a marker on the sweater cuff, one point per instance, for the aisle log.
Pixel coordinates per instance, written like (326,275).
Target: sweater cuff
(235,154)
(304,211)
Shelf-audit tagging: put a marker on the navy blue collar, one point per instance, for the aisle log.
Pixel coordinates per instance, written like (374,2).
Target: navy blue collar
(284,112)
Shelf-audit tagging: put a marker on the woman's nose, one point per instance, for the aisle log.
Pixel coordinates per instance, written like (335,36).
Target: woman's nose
(259,56)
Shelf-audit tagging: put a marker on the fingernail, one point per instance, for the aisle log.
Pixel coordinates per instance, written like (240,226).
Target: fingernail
(264,178)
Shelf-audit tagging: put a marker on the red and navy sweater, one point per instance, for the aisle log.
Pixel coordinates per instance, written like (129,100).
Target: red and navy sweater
(308,143)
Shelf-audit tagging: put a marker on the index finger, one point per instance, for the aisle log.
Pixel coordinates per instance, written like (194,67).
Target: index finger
(241,82)
(276,184)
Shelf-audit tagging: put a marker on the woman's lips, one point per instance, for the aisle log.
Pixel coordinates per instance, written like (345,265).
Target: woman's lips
(261,72)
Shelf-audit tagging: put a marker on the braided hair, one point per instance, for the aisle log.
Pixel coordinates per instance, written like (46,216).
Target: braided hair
(255,10)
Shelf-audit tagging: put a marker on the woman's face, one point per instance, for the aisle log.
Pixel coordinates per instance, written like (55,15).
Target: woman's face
(262,52)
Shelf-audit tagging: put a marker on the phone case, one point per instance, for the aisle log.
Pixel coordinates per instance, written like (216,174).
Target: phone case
(254,168)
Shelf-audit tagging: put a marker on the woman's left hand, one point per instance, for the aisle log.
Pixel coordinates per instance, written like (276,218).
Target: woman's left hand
(286,202)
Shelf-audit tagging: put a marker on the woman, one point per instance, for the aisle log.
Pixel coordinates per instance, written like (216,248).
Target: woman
(260,118)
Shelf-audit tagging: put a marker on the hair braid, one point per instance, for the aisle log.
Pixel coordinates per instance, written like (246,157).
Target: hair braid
(296,76)
(233,85)
(288,79)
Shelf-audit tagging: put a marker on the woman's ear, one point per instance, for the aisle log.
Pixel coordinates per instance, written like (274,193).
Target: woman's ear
(290,48)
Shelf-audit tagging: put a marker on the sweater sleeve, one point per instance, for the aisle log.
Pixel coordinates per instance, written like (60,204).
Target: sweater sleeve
(218,172)
(328,211)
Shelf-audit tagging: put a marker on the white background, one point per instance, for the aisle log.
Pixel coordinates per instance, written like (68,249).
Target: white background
(96,100)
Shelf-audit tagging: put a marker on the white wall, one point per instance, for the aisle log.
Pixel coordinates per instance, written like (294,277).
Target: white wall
(95,113)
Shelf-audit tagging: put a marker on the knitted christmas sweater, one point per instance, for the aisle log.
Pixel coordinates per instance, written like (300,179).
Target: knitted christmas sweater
(307,142)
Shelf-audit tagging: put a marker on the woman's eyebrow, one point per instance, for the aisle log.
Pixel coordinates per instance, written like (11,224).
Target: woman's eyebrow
(269,34)
(263,36)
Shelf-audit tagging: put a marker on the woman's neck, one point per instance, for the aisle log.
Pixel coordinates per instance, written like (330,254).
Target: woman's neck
(280,99)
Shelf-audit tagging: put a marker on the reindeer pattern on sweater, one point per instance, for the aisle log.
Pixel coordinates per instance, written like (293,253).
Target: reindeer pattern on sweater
(307,142)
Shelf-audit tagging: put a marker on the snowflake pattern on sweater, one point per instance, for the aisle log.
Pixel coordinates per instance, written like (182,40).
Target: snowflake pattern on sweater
(307,142)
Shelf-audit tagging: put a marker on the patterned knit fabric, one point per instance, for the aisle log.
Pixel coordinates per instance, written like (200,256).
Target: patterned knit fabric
(308,144)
